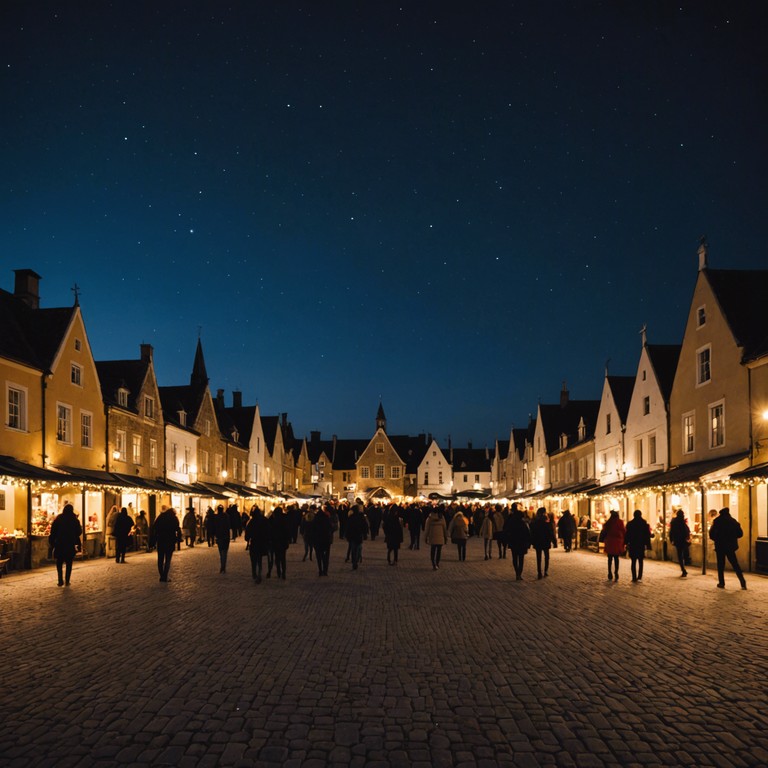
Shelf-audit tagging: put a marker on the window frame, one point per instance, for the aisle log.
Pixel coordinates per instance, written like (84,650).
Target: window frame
(23,418)
(64,436)
(689,436)
(86,431)
(719,430)
(700,352)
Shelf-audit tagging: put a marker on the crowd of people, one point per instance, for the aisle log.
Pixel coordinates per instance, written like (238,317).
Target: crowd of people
(512,530)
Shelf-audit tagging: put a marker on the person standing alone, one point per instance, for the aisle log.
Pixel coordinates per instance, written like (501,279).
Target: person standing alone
(64,539)
(725,533)
(638,539)
(223,531)
(164,534)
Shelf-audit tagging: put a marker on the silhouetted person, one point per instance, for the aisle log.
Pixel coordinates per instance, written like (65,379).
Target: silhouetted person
(64,540)
(613,539)
(210,526)
(517,535)
(279,538)
(164,535)
(357,530)
(257,536)
(393,535)
(306,532)
(415,520)
(322,537)
(189,527)
(223,532)
(542,538)
(566,529)
(458,530)
(638,538)
(725,533)
(121,532)
(680,536)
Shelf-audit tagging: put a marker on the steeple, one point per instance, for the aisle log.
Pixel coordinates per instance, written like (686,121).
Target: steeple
(381,419)
(199,375)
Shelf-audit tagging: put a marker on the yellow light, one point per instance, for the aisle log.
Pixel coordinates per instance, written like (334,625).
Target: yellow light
(224,473)
(765,415)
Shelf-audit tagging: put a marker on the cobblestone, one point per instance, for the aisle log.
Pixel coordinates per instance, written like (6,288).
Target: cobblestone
(384,667)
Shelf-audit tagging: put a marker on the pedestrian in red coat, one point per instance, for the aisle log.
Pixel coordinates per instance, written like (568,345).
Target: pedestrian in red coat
(613,537)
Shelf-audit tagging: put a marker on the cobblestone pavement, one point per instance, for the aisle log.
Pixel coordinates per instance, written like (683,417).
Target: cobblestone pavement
(400,666)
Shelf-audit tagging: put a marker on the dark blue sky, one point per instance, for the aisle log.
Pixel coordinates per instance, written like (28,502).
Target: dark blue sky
(451,208)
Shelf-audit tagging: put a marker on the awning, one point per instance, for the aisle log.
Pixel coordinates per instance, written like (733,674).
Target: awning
(143,483)
(92,477)
(696,471)
(174,487)
(10,467)
(213,490)
(758,472)
(244,491)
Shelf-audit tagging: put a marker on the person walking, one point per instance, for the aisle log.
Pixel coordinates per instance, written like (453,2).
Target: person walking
(306,532)
(725,533)
(357,530)
(566,529)
(415,520)
(279,539)
(680,536)
(517,536)
(638,539)
(486,532)
(322,537)
(435,535)
(141,531)
(64,541)
(498,530)
(458,530)
(122,532)
(542,538)
(189,527)
(209,522)
(393,535)
(223,533)
(164,534)
(257,536)
(612,535)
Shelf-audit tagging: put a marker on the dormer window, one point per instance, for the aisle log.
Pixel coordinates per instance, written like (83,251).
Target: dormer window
(235,435)
(183,418)
(122,397)
(701,317)
(582,429)
(563,440)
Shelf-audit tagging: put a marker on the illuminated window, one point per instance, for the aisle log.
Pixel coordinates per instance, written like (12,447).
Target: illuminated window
(64,423)
(136,449)
(86,429)
(152,453)
(639,453)
(717,425)
(395,473)
(703,365)
(689,432)
(17,408)
(174,456)
(204,462)
(121,444)
(652,449)
(365,472)
(122,397)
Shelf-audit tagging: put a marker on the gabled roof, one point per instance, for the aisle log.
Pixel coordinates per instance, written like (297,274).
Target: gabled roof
(564,419)
(32,336)
(520,436)
(230,421)
(621,389)
(347,452)
(502,449)
(181,398)
(664,358)
(471,459)
(741,295)
(269,426)
(411,450)
(316,447)
(128,374)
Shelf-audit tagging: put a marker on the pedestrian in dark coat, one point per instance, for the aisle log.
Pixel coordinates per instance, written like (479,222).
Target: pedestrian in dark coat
(638,539)
(725,532)
(64,540)
(122,532)
(612,536)
(257,536)
(566,529)
(279,539)
(223,532)
(235,521)
(322,537)
(680,536)
(415,518)
(373,512)
(210,526)
(357,530)
(189,527)
(542,538)
(306,532)
(393,535)
(458,530)
(517,535)
(499,519)
(436,535)
(164,534)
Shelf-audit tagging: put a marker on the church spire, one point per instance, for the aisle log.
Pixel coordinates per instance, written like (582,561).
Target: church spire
(199,374)
(381,419)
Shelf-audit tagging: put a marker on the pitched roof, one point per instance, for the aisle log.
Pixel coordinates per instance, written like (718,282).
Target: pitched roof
(742,294)
(185,398)
(31,336)
(502,449)
(471,459)
(242,418)
(520,436)
(269,425)
(347,452)
(564,419)
(114,374)
(664,358)
(411,450)
(621,389)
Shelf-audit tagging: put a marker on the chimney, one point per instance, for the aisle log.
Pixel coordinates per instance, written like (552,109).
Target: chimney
(220,397)
(314,436)
(27,287)
(703,250)
(469,444)
(564,396)
(147,353)
(237,399)
(429,439)
(284,419)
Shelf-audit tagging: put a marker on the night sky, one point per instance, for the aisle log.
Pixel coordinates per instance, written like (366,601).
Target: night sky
(451,207)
